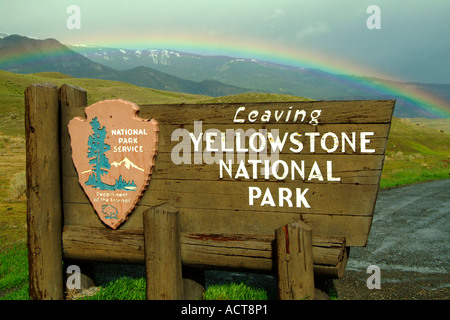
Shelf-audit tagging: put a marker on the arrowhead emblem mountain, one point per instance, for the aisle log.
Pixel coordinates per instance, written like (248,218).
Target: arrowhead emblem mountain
(127,163)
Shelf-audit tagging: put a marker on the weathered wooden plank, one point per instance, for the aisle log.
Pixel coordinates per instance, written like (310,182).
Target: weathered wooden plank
(234,195)
(334,271)
(378,111)
(354,228)
(43,192)
(99,244)
(332,112)
(173,135)
(238,251)
(355,169)
(295,276)
(228,251)
(328,250)
(168,140)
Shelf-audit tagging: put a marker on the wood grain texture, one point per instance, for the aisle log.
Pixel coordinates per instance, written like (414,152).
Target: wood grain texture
(44,206)
(162,252)
(377,111)
(223,251)
(295,276)
(217,221)
(72,97)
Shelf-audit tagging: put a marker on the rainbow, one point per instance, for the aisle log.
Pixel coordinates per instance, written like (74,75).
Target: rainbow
(412,95)
(242,47)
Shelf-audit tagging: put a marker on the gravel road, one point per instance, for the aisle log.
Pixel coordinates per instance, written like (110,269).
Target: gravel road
(409,242)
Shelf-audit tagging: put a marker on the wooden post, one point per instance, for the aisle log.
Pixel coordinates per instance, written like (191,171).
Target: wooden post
(43,192)
(295,261)
(71,97)
(163,267)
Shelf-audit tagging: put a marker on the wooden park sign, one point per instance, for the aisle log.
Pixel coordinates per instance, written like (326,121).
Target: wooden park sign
(238,176)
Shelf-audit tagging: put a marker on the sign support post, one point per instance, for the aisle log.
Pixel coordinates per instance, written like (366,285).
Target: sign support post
(163,267)
(44,208)
(72,97)
(294,256)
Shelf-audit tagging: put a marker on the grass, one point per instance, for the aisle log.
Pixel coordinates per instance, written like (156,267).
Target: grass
(442,125)
(396,173)
(234,291)
(124,288)
(14,273)
(417,151)
(127,288)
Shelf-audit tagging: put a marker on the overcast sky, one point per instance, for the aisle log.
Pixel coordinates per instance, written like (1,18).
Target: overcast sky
(412,45)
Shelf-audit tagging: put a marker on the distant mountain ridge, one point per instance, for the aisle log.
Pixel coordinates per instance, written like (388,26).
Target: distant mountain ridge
(24,55)
(20,54)
(205,75)
(265,76)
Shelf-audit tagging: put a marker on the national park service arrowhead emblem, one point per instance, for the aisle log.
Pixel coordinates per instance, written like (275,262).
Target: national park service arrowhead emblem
(114,153)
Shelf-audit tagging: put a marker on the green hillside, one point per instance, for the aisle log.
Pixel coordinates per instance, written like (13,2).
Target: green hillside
(416,152)
(439,124)
(253,97)
(12,87)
